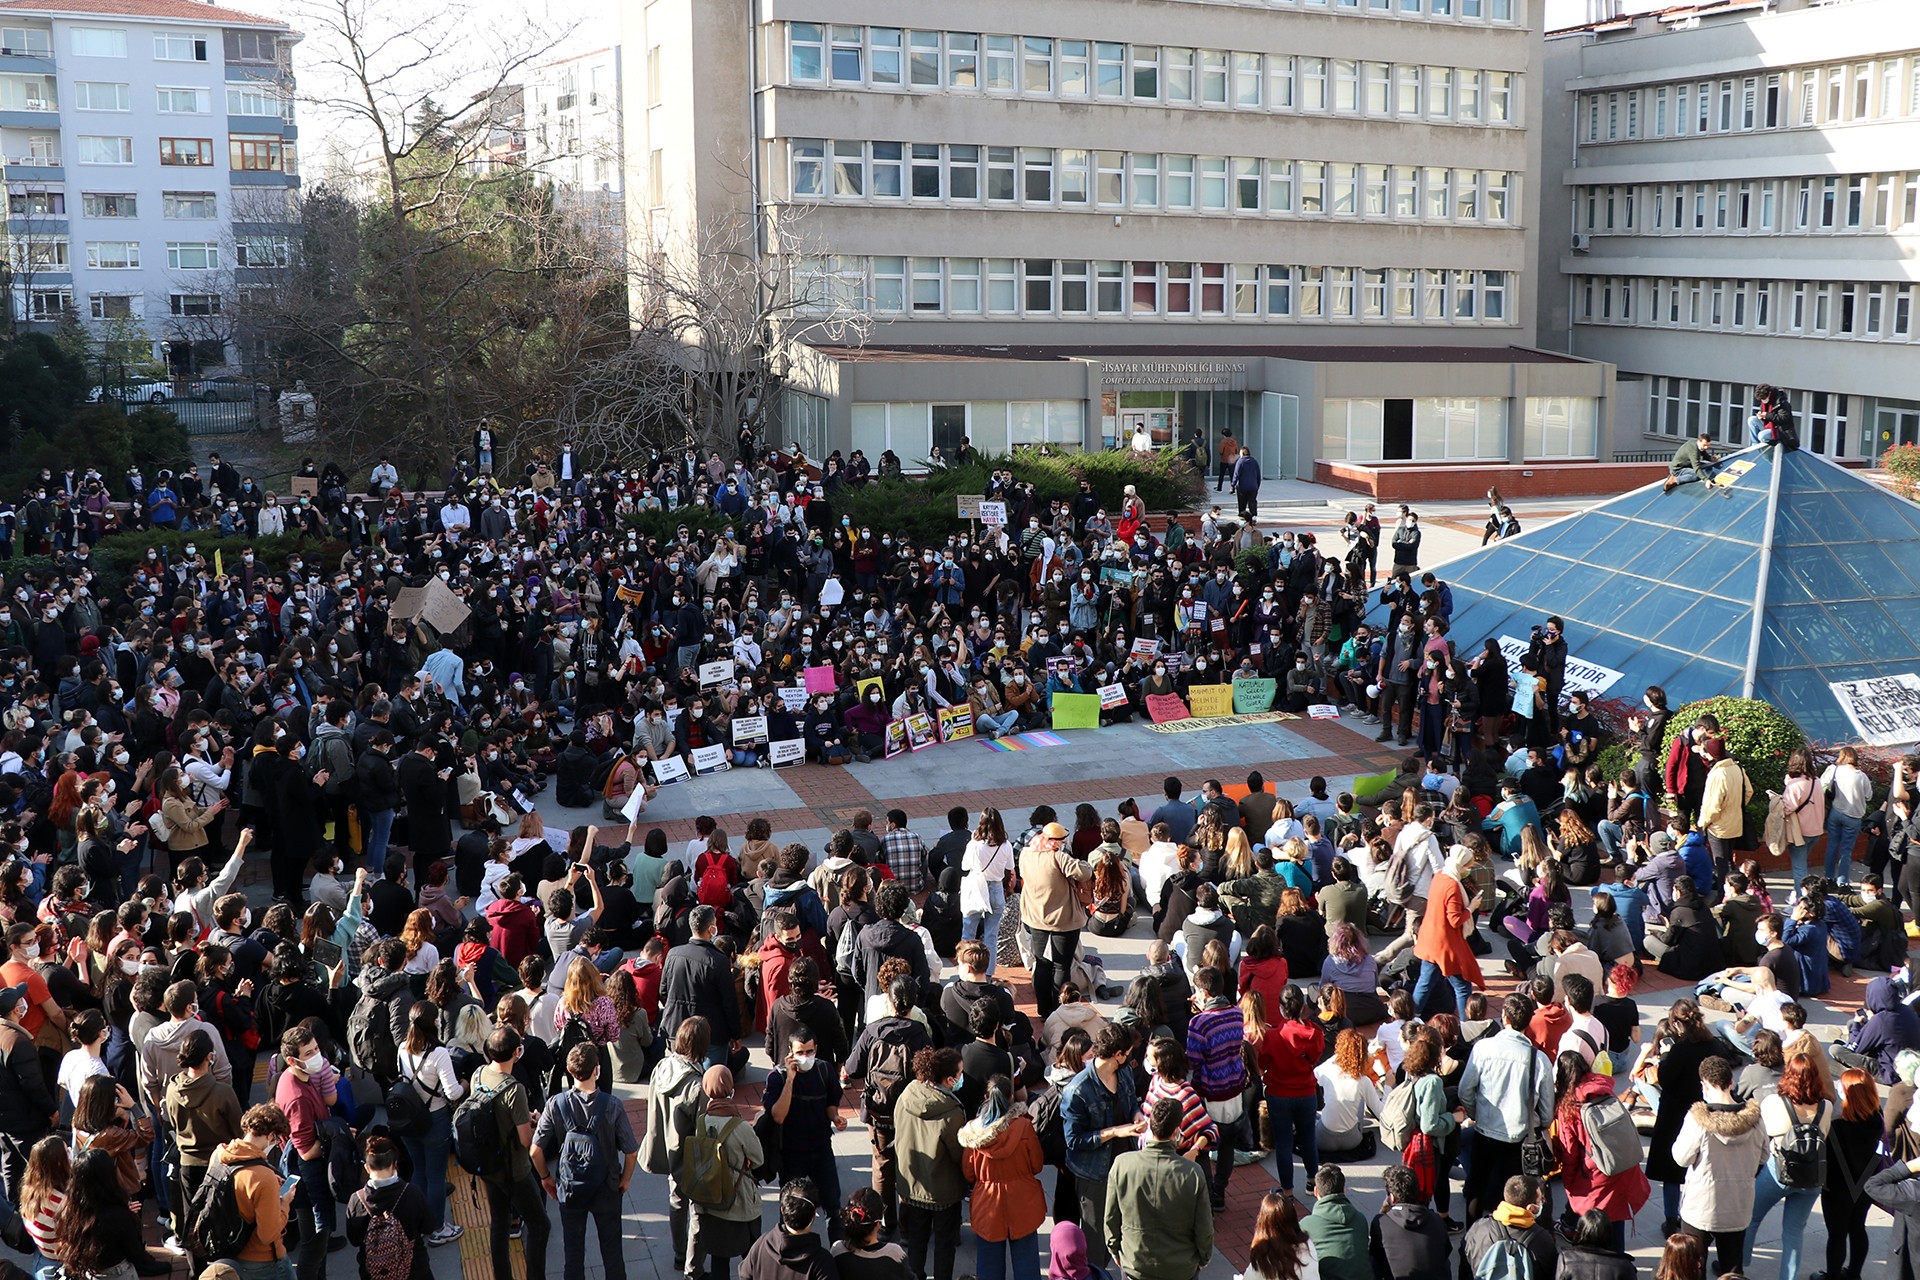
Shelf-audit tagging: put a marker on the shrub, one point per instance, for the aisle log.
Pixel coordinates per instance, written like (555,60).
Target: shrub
(117,555)
(664,525)
(1902,464)
(1616,758)
(1758,735)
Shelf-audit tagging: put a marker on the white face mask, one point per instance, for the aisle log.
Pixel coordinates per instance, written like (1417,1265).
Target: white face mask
(130,967)
(1762,937)
(31,951)
(804,1061)
(315,1064)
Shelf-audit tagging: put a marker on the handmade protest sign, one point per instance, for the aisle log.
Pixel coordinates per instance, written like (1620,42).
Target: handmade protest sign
(956,723)
(820,680)
(1076,711)
(1162,707)
(1211,700)
(1253,694)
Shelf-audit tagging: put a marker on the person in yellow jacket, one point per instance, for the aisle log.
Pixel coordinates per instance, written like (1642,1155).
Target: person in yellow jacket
(1723,804)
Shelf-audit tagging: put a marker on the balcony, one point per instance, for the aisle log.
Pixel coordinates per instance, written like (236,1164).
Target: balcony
(26,60)
(34,168)
(45,115)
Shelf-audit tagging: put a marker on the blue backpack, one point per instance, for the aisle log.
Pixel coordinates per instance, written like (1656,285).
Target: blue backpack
(585,1150)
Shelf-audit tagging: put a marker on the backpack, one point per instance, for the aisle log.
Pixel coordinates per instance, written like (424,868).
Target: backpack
(1399,883)
(215,1226)
(887,1075)
(1507,1259)
(584,1164)
(1049,1125)
(410,1106)
(1398,1118)
(705,1176)
(478,1143)
(715,886)
(370,1038)
(1612,1141)
(387,1253)
(1800,1156)
(847,947)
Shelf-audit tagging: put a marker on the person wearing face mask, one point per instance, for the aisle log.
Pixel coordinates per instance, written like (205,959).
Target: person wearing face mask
(386,1193)
(867,720)
(201,1112)
(27,1105)
(927,1120)
(306,1092)
(803,1097)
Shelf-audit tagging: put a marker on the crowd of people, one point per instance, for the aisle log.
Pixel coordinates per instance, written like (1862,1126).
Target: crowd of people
(430,977)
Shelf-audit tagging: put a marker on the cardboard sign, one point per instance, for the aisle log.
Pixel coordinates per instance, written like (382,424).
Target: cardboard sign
(1251,695)
(869,682)
(794,700)
(956,723)
(820,680)
(896,738)
(669,769)
(993,513)
(712,673)
(749,730)
(710,760)
(628,595)
(1211,700)
(1076,711)
(434,604)
(1162,707)
(1885,710)
(304,486)
(1323,711)
(1111,696)
(786,751)
(1145,648)
(968,505)
(920,733)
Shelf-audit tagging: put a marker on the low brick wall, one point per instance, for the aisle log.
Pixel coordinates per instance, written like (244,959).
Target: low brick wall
(1465,481)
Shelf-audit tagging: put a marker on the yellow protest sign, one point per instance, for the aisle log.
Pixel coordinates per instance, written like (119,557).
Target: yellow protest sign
(1210,700)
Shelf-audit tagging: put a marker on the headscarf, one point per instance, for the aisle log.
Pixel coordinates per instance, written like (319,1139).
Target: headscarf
(1067,1245)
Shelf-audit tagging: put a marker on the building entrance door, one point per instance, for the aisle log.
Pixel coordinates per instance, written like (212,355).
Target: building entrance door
(1897,425)
(949,428)
(1162,425)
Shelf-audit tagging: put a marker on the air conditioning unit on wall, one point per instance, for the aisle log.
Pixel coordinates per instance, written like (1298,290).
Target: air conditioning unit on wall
(1582,243)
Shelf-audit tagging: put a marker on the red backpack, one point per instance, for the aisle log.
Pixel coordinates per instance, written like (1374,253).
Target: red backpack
(713,879)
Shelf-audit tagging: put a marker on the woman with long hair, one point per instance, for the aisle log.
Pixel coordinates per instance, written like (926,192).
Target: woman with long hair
(103,1119)
(1001,1155)
(1292,1092)
(1806,809)
(1351,968)
(1280,1248)
(1168,1069)
(43,1195)
(1238,862)
(1349,1097)
(584,1001)
(1684,1258)
(1262,967)
(101,1237)
(1800,1101)
(417,935)
(1577,849)
(1590,1253)
(1333,1014)
(1434,1122)
(983,894)
(1678,1079)
(1852,1150)
(1617,1195)
(425,1062)
(1112,908)
(1302,932)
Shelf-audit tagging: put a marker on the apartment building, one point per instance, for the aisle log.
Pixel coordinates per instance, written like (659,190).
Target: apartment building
(150,166)
(1312,222)
(1734,189)
(573,135)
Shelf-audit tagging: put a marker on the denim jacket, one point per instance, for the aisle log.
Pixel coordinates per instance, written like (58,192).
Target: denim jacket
(1086,1108)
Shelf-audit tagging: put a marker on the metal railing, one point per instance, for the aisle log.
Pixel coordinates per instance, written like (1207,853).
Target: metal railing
(1645,455)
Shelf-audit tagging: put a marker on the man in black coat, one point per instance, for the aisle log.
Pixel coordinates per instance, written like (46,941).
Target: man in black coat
(27,1107)
(423,783)
(887,937)
(1408,1240)
(698,979)
(377,791)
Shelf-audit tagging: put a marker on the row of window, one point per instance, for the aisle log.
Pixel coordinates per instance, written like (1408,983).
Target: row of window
(1684,407)
(258,153)
(888,285)
(111,42)
(51,303)
(50,253)
(35,93)
(1077,70)
(1801,308)
(183,206)
(1840,203)
(1800,98)
(843,170)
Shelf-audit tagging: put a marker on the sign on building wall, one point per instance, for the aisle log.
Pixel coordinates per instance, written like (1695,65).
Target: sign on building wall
(1885,710)
(1216,374)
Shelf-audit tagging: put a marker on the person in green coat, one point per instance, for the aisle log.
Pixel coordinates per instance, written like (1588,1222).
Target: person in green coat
(1337,1229)
(927,1120)
(1159,1214)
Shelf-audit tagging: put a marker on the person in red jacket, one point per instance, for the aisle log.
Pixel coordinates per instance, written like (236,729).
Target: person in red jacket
(1292,1092)
(786,942)
(513,924)
(1618,1195)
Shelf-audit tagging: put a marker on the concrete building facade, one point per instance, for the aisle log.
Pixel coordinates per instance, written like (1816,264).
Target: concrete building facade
(151,166)
(1310,222)
(573,109)
(1733,193)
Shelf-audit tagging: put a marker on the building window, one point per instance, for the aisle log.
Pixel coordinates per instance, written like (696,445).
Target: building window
(36,203)
(262,251)
(99,42)
(255,101)
(100,95)
(1002,286)
(1561,427)
(806,51)
(809,166)
(849,53)
(259,153)
(1039,292)
(90,149)
(168,47)
(38,253)
(194,304)
(963,286)
(252,46)
(192,257)
(889,285)
(113,306)
(188,205)
(189,152)
(926,295)
(95,204)
(888,161)
(923,58)
(849,169)
(48,304)
(113,255)
(183,102)
(963,172)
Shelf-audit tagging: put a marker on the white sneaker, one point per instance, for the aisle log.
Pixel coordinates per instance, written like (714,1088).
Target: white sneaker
(446,1235)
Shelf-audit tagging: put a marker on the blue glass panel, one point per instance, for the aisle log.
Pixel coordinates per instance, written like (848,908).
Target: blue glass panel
(1788,585)
(1739,583)
(1574,584)
(1905,612)
(1650,503)
(1790,528)
(1559,529)
(1627,541)
(1804,471)
(1582,535)
(1479,572)
(1703,624)
(1892,568)
(1874,632)
(1777,644)
(1660,555)
(1814,633)
(1806,694)
(1831,514)
(1520,574)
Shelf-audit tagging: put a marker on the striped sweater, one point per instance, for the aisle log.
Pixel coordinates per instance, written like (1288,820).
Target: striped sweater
(1195,1123)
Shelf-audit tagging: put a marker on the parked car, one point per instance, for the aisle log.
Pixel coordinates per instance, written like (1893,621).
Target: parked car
(227,387)
(151,392)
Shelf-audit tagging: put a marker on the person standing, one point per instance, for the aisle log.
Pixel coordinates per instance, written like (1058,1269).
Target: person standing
(201,1112)
(426,1062)
(1722,1146)
(595,1171)
(1050,908)
(27,1107)
(697,979)
(926,1123)
(1408,1240)
(1246,485)
(1507,1090)
(1158,1211)
(1852,1155)
(1337,1229)
(306,1093)
(263,1197)
(675,1104)
(882,1060)
(803,1096)
(1801,1108)
(1216,1034)
(1003,1162)
(723,1232)
(1225,456)
(1399,670)
(511,1190)
(387,1194)
(791,1251)
(1515,1220)
(1441,946)
(1679,1082)
(1851,791)
(1723,804)
(1096,1112)
(984,865)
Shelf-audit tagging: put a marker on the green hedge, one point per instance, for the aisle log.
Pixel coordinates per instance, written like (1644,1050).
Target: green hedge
(925,508)
(664,524)
(1758,735)
(116,556)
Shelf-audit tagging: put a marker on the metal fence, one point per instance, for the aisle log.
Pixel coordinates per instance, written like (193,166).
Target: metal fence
(207,417)
(1645,455)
